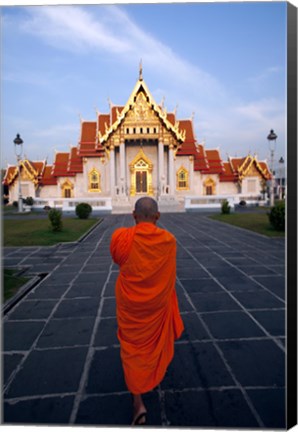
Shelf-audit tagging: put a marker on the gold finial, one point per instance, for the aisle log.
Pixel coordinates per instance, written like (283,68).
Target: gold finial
(141,71)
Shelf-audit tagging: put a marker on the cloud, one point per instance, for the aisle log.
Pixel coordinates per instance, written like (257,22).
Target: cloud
(109,30)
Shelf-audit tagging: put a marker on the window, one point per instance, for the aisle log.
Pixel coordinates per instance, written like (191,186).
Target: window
(94,181)
(67,192)
(66,189)
(209,186)
(148,130)
(127,130)
(209,190)
(182,179)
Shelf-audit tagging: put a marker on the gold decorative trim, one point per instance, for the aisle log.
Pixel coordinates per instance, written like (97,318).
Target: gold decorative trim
(182,176)
(141,163)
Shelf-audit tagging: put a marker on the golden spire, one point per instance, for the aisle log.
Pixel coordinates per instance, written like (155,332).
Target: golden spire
(141,71)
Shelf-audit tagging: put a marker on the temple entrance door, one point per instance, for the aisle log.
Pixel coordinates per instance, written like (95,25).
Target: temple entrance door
(141,182)
(141,175)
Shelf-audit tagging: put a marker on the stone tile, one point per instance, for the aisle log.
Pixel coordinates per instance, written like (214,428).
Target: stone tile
(106,334)
(255,363)
(273,321)
(215,409)
(258,300)
(254,270)
(196,364)
(270,404)
(106,373)
(49,371)
(33,309)
(98,277)
(66,333)
(110,289)
(47,411)
(231,325)
(109,307)
(212,302)
(10,363)
(76,308)
(184,305)
(191,273)
(276,284)
(201,285)
(85,289)
(20,336)
(44,292)
(185,263)
(116,410)
(238,283)
(224,270)
(193,328)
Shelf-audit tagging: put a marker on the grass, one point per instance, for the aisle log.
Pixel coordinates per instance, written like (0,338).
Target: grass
(38,232)
(12,283)
(257,222)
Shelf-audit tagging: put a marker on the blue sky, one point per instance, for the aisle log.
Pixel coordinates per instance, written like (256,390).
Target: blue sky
(224,62)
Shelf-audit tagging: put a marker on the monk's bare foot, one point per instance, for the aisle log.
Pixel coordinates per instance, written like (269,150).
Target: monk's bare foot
(139,410)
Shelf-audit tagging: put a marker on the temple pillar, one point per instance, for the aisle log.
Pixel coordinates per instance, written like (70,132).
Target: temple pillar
(112,170)
(171,170)
(161,173)
(122,169)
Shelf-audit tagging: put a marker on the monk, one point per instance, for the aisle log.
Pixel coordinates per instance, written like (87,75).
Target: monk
(148,315)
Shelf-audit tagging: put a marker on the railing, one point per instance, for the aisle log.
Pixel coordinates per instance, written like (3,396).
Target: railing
(215,201)
(69,204)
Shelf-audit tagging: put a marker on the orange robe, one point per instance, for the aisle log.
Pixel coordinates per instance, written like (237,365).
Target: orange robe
(147,309)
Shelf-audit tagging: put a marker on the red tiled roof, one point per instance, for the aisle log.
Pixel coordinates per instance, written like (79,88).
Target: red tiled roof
(103,121)
(60,167)
(10,175)
(75,162)
(89,146)
(171,118)
(237,162)
(188,146)
(228,174)
(214,161)
(114,112)
(201,161)
(265,169)
(47,177)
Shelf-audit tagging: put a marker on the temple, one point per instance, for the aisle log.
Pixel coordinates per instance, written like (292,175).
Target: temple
(135,150)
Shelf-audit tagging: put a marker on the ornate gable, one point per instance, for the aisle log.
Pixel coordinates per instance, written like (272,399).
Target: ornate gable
(141,109)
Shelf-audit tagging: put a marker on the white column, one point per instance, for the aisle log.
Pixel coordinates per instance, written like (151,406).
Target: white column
(161,173)
(122,169)
(112,170)
(171,169)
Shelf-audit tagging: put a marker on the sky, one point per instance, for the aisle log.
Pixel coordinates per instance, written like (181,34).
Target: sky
(223,63)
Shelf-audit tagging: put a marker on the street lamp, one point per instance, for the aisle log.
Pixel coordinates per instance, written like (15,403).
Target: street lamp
(272,143)
(18,143)
(281,162)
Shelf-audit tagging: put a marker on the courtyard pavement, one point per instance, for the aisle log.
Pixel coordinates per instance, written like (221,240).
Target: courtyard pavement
(61,353)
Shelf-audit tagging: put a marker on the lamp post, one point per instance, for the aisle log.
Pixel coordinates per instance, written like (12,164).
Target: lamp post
(272,143)
(18,143)
(281,162)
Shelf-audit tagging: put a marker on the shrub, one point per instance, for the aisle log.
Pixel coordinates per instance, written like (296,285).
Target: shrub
(29,201)
(83,210)
(242,203)
(55,217)
(15,203)
(277,216)
(225,207)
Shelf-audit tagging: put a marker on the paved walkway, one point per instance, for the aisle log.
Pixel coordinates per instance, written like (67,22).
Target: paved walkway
(61,353)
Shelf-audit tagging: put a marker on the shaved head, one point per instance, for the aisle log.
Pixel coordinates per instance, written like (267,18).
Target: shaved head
(146,210)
